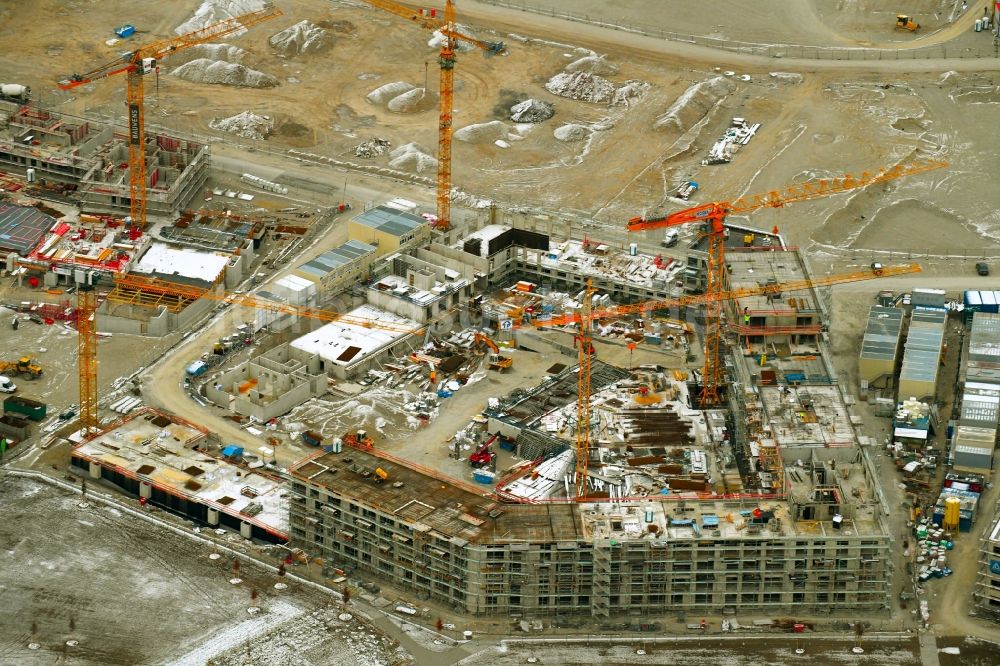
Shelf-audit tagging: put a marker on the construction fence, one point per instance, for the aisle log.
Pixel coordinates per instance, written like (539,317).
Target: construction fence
(801,51)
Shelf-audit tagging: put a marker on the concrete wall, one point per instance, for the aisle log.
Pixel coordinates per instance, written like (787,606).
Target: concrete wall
(283,383)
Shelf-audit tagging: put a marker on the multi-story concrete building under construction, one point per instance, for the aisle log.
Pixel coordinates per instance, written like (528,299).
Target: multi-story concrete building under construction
(456,546)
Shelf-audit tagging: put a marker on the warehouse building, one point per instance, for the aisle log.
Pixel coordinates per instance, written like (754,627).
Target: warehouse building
(880,347)
(388,229)
(922,355)
(22,228)
(338,269)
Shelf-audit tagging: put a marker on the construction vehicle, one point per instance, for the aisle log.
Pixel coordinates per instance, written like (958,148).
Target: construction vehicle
(584,322)
(25,366)
(446,60)
(711,219)
(904,22)
(496,360)
(145,60)
(358,439)
(483,456)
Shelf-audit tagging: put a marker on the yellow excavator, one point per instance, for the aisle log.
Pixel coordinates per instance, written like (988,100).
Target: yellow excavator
(497,361)
(904,22)
(25,365)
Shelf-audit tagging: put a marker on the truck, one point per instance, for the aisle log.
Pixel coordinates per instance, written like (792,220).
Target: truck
(196,369)
(15,92)
(33,409)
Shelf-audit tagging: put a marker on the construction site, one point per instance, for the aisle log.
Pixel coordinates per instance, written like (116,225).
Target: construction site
(357,331)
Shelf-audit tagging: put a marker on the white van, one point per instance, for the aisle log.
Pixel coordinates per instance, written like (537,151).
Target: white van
(7,386)
(670,238)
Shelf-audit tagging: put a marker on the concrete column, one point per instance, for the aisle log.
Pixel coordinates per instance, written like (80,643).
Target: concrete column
(95,470)
(145,490)
(213,517)
(246,529)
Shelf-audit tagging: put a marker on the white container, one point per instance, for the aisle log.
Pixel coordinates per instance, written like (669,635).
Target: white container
(633,249)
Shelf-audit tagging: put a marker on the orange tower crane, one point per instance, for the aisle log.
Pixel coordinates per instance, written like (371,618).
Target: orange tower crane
(587,315)
(87,325)
(713,216)
(446,60)
(136,65)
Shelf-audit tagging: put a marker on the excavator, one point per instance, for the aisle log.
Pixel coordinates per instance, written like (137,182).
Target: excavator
(25,365)
(497,361)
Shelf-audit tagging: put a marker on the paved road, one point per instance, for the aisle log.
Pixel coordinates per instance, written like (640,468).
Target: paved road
(611,41)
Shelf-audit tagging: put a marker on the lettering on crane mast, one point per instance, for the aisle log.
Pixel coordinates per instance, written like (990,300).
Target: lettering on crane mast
(133,124)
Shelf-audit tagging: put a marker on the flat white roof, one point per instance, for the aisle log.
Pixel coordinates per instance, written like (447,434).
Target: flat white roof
(296,283)
(184,262)
(345,343)
(489,232)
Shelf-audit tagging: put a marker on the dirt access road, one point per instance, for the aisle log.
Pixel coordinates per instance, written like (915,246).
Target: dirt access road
(629,45)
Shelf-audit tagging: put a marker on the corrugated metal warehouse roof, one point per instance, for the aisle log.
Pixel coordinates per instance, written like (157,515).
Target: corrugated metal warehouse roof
(337,257)
(984,341)
(979,405)
(881,339)
(922,354)
(390,221)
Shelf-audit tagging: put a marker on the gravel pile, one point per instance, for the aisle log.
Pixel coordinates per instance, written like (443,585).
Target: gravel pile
(594,64)
(411,157)
(224,52)
(786,77)
(582,86)
(531,111)
(213,11)
(694,103)
(571,132)
(408,102)
(383,94)
(482,132)
(633,89)
(372,148)
(203,70)
(247,124)
(303,37)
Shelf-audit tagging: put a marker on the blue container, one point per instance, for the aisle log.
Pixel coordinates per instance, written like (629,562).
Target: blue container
(507,444)
(483,476)
(126,30)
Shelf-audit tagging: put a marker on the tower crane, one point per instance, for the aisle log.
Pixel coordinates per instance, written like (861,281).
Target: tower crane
(587,315)
(136,65)
(713,216)
(446,61)
(87,325)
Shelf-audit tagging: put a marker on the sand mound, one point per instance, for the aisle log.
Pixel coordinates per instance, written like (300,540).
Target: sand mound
(203,70)
(247,124)
(531,111)
(303,37)
(383,94)
(594,64)
(212,11)
(482,132)
(373,147)
(571,132)
(694,103)
(582,86)
(408,102)
(786,77)
(411,157)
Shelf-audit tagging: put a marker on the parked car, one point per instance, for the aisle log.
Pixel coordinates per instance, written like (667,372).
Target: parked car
(983,268)
(7,386)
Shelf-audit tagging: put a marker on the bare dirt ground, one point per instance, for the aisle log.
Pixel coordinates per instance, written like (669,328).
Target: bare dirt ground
(108,581)
(831,123)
